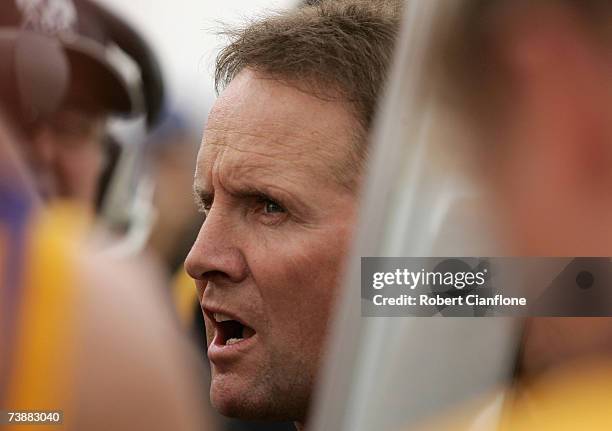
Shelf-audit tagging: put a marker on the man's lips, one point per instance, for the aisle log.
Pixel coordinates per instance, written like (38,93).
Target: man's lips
(232,335)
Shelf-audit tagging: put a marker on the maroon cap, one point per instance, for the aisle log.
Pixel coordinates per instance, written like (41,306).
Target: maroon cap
(60,52)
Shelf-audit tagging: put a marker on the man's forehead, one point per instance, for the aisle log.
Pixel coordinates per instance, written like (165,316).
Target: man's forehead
(249,156)
(271,123)
(257,105)
(265,142)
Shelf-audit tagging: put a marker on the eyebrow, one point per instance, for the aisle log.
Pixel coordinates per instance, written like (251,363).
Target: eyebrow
(288,200)
(201,197)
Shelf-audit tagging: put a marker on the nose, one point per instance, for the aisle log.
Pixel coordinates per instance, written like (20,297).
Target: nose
(216,254)
(41,154)
(43,147)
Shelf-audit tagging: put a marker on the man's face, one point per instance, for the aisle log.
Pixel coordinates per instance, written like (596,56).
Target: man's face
(271,248)
(66,156)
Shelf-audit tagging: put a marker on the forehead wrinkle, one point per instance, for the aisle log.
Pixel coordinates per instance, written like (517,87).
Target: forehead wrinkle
(280,129)
(283,141)
(277,164)
(320,145)
(250,175)
(268,160)
(225,117)
(236,174)
(294,171)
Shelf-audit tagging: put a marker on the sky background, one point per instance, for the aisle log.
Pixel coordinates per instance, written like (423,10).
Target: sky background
(183,34)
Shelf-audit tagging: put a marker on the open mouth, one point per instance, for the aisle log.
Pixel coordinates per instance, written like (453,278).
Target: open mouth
(230,331)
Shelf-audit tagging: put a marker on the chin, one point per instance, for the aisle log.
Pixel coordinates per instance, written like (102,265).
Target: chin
(234,397)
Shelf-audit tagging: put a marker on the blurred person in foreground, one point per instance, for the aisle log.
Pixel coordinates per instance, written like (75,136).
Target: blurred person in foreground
(534,80)
(102,347)
(278,178)
(67,66)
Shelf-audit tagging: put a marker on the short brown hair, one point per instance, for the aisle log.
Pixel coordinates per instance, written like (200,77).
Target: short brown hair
(328,48)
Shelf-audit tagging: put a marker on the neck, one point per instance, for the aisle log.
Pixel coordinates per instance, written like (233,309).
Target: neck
(299,426)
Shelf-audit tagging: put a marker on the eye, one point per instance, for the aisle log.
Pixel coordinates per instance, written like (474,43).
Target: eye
(271,207)
(203,204)
(270,211)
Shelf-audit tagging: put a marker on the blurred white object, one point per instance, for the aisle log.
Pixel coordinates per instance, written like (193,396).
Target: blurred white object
(420,200)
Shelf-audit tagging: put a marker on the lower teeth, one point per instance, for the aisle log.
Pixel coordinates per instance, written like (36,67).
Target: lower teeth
(233,341)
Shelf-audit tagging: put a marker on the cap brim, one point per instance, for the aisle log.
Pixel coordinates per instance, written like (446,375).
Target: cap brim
(96,81)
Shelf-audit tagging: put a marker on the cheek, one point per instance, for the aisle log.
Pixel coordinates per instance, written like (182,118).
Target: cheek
(298,279)
(84,163)
(522,203)
(199,286)
(80,168)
